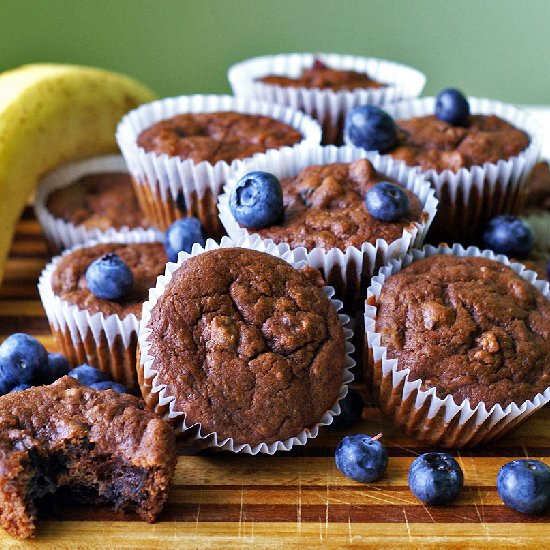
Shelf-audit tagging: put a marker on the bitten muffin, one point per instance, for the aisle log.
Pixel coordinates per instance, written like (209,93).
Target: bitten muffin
(218,136)
(94,330)
(324,206)
(99,201)
(471,328)
(248,347)
(101,445)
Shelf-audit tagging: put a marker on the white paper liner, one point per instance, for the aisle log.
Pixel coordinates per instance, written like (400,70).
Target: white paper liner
(462,424)
(159,390)
(471,196)
(329,107)
(65,317)
(343,269)
(167,176)
(59,233)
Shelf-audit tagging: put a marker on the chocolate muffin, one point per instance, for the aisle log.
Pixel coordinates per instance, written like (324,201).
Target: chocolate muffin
(218,136)
(248,347)
(101,201)
(321,76)
(146,261)
(324,206)
(101,446)
(437,145)
(94,330)
(469,327)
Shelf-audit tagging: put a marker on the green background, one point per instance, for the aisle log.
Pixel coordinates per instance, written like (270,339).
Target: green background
(498,49)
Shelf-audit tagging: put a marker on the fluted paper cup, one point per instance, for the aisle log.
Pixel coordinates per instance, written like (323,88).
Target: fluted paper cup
(156,393)
(421,413)
(328,106)
(59,233)
(159,179)
(348,270)
(470,197)
(107,342)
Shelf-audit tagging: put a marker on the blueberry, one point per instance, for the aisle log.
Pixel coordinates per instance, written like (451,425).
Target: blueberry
(88,375)
(524,485)
(371,128)
(508,235)
(109,277)
(387,202)
(352,408)
(21,387)
(181,235)
(451,106)
(361,457)
(56,367)
(257,200)
(108,385)
(180,202)
(22,358)
(435,478)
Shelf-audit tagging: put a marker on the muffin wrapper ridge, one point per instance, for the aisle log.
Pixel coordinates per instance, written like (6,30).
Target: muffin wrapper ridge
(470,197)
(347,271)
(156,395)
(159,178)
(420,413)
(105,342)
(59,233)
(328,106)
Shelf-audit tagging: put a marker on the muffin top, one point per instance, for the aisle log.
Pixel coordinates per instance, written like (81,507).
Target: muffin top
(249,347)
(146,261)
(50,417)
(470,327)
(323,77)
(218,136)
(435,144)
(101,201)
(324,206)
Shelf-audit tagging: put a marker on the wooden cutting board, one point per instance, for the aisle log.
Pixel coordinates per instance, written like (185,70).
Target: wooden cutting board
(296,499)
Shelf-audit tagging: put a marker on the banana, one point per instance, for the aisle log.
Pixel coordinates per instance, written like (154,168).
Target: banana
(50,115)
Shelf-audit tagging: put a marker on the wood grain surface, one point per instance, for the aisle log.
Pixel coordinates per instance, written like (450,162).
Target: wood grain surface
(296,499)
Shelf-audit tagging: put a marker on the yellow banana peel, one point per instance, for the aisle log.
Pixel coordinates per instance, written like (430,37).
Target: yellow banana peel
(50,115)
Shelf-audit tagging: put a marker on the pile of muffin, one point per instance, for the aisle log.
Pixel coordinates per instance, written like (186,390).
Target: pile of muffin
(225,264)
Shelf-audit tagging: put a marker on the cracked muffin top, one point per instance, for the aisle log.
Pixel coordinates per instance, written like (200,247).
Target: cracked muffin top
(249,347)
(324,206)
(146,262)
(470,327)
(101,200)
(219,136)
(435,144)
